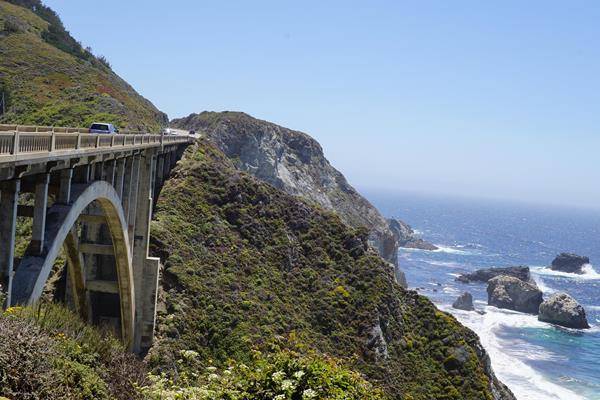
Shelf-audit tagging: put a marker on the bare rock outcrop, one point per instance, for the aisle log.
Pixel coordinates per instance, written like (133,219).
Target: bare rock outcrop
(514,294)
(464,302)
(484,275)
(569,262)
(406,236)
(562,309)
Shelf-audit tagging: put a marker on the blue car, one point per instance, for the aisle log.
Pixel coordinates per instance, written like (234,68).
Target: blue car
(101,127)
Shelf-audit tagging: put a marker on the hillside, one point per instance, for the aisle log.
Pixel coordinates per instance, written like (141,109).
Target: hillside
(293,162)
(48,79)
(247,265)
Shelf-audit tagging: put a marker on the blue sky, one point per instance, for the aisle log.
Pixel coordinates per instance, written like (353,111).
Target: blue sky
(494,99)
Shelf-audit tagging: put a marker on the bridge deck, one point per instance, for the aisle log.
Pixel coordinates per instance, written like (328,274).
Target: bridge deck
(26,144)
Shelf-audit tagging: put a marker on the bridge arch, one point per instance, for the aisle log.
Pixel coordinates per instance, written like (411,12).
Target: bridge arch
(34,270)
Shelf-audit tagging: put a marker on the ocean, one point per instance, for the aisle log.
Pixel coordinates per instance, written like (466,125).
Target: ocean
(538,361)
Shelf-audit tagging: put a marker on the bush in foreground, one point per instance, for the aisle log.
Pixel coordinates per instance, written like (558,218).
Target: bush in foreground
(47,352)
(284,375)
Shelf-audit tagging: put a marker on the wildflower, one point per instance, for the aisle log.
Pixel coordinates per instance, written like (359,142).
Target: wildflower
(189,354)
(212,377)
(287,384)
(279,397)
(211,369)
(309,394)
(298,374)
(278,376)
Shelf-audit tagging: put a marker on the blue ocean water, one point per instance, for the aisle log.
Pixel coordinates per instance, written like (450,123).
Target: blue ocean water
(536,360)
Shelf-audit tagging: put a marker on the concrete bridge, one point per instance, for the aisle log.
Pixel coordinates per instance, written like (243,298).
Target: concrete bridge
(89,197)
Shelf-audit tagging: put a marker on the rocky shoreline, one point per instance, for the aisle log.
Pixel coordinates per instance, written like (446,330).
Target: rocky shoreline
(513,288)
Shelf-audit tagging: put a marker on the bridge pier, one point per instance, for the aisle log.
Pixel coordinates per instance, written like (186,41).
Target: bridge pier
(145,269)
(9,200)
(39,214)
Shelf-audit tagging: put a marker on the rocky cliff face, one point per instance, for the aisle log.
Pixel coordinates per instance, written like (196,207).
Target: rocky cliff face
(294,162)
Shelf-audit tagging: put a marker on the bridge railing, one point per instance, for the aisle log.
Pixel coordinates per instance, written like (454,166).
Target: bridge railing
(22,139)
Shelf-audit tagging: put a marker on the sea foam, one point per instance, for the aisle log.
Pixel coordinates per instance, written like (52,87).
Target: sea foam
(507,356)
(589,273)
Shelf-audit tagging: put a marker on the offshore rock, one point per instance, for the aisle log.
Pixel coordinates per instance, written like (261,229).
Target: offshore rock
(562,309)
(406,236)
(464,302)
(484,275)
(569,262)
(514,294)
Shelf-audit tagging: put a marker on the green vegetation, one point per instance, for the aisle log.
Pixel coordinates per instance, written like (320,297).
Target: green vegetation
(281,375)
(50,79)
(49,353)
(246,264)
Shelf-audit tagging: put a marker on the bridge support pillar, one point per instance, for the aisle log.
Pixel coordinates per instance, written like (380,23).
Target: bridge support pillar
(109,171)
(119,176)
(39,214)
(160,170)
(9,199)
(64,194)
(134,195)
(145,270)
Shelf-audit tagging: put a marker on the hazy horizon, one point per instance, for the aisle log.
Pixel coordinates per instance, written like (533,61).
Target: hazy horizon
(470,99)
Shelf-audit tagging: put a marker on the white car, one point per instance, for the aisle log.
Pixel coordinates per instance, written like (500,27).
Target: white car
(101,127)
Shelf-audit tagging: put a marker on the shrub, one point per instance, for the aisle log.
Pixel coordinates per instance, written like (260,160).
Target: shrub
(285,375)
(47,352)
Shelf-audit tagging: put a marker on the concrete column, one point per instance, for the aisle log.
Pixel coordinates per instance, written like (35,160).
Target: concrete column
(141,242)
(9,199)
(167,169)
(108,174)
(160,169)
(127,174)
(64,192)
(134,195)
(153,176)
(98,171)
(119,176)
(39,214)
(83,173)
(173,158)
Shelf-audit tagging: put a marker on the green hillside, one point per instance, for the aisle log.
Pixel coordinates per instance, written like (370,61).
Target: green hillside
(48,79)
(247,266)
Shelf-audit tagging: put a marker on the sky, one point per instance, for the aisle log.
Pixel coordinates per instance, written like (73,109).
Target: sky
(492,99)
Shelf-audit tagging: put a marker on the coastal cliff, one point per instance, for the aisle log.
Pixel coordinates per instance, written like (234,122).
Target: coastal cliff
(294,162)
(246,263)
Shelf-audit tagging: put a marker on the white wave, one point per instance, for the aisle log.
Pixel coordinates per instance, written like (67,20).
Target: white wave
(443,263)
(542,285)
(451,250)
(506,356)
(450,290)
(589,273)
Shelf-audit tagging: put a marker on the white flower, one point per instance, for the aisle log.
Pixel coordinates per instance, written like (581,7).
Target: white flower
(189,354)
(287,384)
(298,374)
(211,369)
(278,376)
(309,394)
(212,377)
(279,397)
